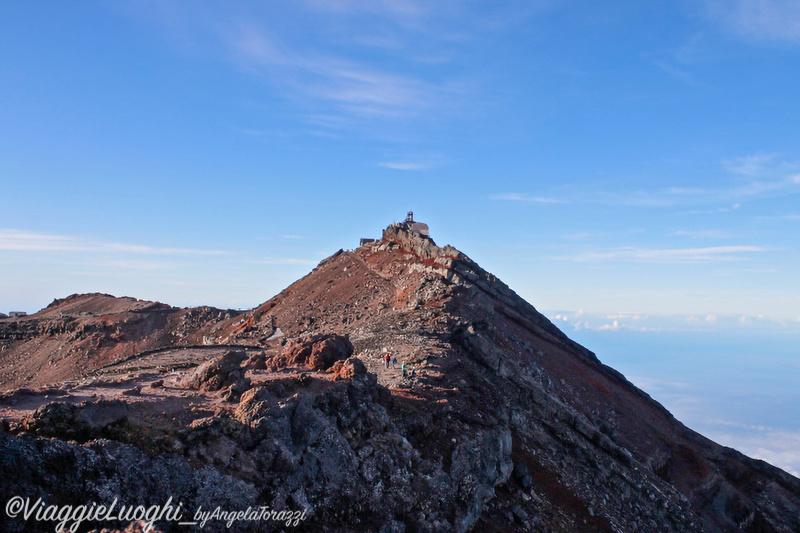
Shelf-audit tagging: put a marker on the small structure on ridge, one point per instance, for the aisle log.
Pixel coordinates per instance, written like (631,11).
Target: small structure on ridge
(409,224)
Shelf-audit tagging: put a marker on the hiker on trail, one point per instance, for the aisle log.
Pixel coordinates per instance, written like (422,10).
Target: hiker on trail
(386,358)
(394,361)
(403,367)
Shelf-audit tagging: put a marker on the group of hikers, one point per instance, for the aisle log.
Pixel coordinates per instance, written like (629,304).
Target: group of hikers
(392,360)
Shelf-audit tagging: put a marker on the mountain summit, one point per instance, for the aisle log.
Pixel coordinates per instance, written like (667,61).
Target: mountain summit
(398,387)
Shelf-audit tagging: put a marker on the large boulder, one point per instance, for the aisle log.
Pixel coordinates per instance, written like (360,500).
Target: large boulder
(328,350)
(318,352)
(257,361)
(217,373)
(348,368)
(224,374)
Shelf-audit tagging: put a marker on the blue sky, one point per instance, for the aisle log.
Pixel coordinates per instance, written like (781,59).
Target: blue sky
(627,167)
(611,158)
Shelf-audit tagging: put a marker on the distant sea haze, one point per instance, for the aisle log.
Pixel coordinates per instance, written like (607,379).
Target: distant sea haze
(738,388)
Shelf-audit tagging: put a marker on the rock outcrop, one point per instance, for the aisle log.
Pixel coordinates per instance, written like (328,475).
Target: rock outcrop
(348,368)
(317,352)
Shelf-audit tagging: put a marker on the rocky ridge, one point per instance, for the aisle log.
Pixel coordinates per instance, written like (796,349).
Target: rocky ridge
(498,422)
(81,333)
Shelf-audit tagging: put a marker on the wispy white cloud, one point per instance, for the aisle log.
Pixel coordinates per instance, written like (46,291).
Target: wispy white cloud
(669,255)
(735,193)
(367,92)
(748,177)
(686,191)
(12,239)
(412,163)
(757,188)
(403,165)
(139,265)
(655,384)
(282,261)
(724,209)
(703,234)
(781,217)
(769,175)
(679,63)
(581,236)
(252,132)
(350,64)
(104,269)
(314,55)
(763,20)
(614,326)
(737,425)
(387,8)
(679,73)
(654,323)
(316,78)
(749,165)
(627,316)
(777,446)
(524,197)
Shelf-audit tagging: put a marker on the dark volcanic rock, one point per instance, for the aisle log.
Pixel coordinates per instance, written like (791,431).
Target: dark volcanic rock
(101,471)
(76,422)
